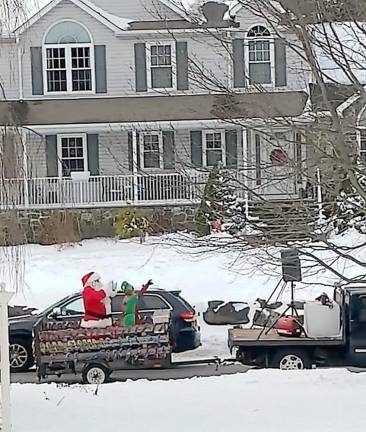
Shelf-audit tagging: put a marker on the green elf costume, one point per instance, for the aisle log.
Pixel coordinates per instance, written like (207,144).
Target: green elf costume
(131,315)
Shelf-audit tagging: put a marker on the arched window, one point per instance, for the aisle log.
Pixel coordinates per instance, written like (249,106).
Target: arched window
(361,134)
(67,32)
(259,31)
(260,55)
(68,59)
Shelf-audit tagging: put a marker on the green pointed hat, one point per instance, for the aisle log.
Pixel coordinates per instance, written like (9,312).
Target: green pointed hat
(127,287)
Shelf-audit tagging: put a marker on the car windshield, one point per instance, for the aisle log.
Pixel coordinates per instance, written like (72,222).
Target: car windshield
(59,303)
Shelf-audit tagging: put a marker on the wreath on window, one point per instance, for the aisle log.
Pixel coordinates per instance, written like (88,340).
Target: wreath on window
(279,157)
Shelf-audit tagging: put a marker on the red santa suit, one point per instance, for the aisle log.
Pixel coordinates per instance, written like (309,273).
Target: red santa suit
(97,301)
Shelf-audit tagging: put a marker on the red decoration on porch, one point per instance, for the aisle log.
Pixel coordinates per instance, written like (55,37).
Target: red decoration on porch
(216,226)
(278,157)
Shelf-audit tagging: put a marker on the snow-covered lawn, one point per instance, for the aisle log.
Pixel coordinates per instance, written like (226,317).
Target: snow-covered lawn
(260,401)
(53,272)
(318,400)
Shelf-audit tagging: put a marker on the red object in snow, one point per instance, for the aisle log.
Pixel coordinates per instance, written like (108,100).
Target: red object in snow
(288,326)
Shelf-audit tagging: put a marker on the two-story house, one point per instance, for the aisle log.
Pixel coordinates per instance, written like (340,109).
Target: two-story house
(114,102)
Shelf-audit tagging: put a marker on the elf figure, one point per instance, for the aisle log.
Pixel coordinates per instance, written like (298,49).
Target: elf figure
(131,315)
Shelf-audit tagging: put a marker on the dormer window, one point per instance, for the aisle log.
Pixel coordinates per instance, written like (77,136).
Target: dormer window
(260,55)
(68,59)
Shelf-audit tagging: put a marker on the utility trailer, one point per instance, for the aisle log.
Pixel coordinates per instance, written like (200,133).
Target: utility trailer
(95,353)
(64,347)
(266,348)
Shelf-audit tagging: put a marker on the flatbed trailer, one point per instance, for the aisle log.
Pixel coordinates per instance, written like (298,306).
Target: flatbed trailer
(256,337)
(266,348)
(95,353)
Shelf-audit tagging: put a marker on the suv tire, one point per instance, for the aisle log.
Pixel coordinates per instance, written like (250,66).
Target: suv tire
(21,354)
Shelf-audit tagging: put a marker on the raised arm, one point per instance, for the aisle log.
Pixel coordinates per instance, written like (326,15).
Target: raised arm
(145,287)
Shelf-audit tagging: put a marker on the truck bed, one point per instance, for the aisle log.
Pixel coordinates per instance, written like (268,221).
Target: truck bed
(251,337)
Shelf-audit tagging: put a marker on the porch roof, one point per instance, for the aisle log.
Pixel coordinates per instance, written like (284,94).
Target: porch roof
(266,105)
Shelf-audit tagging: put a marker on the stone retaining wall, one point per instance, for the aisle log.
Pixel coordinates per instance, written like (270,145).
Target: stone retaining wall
(63,226)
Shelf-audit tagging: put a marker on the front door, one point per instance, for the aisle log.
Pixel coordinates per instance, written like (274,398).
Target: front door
(358,330)
(274,159)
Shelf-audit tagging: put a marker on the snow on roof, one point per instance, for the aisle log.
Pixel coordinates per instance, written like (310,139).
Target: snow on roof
(340,49)
(119,22)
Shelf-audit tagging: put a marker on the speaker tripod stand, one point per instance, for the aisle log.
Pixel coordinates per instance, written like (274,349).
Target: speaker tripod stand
(290,307)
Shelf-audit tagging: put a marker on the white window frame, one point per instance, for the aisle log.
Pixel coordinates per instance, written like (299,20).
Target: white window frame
(361,132)
(204,145)
(59,151)
(142,150)
(247,62)
(173,66)
(68,61)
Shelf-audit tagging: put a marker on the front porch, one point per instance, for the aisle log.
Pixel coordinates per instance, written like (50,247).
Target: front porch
(103,191)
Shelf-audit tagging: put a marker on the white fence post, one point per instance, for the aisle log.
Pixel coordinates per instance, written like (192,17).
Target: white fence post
(4,359)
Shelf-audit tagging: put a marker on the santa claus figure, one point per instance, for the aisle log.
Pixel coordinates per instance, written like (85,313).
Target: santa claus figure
(97,301)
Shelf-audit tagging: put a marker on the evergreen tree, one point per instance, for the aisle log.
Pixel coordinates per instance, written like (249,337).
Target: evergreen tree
(350,208)
(220,207)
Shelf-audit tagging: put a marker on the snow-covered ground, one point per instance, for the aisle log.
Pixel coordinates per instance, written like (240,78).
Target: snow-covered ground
(53,272)
(260,401)
(327,400)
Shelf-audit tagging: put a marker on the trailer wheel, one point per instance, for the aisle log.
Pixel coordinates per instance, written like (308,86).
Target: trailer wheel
(290,360)
(95,374)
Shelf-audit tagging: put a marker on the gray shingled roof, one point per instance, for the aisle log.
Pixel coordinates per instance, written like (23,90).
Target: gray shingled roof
(153,109)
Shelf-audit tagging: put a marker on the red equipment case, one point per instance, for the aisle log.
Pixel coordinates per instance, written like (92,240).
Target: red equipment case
(288,326)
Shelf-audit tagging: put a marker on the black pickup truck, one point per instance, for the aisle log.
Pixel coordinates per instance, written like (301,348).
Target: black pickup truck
(255,347)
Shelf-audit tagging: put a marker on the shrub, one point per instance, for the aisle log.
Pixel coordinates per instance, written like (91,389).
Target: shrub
(131,223)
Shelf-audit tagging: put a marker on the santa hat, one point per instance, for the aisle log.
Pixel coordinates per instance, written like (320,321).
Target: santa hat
(89,278)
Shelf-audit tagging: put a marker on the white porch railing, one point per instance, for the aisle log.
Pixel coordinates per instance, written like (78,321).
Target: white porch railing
(103,191)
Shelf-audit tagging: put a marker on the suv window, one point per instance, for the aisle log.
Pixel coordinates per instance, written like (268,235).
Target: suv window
(117,303)
(147,302)
(75,307)
(152,302)
(359,310)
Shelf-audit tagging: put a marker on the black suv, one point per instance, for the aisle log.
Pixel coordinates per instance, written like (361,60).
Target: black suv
(185,331)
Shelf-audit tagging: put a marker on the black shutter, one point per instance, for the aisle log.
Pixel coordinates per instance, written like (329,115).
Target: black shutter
(51,156)
(37,70)
(100,69)
(93,154)
(231,139)
(182,65)
(140,67)
(280,63)
(196,148)
(238,63)
(168,150)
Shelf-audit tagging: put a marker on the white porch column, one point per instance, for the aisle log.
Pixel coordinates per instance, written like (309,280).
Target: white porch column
(320,195)
(4,359)
(245,169)
(134,165)
(23,138)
